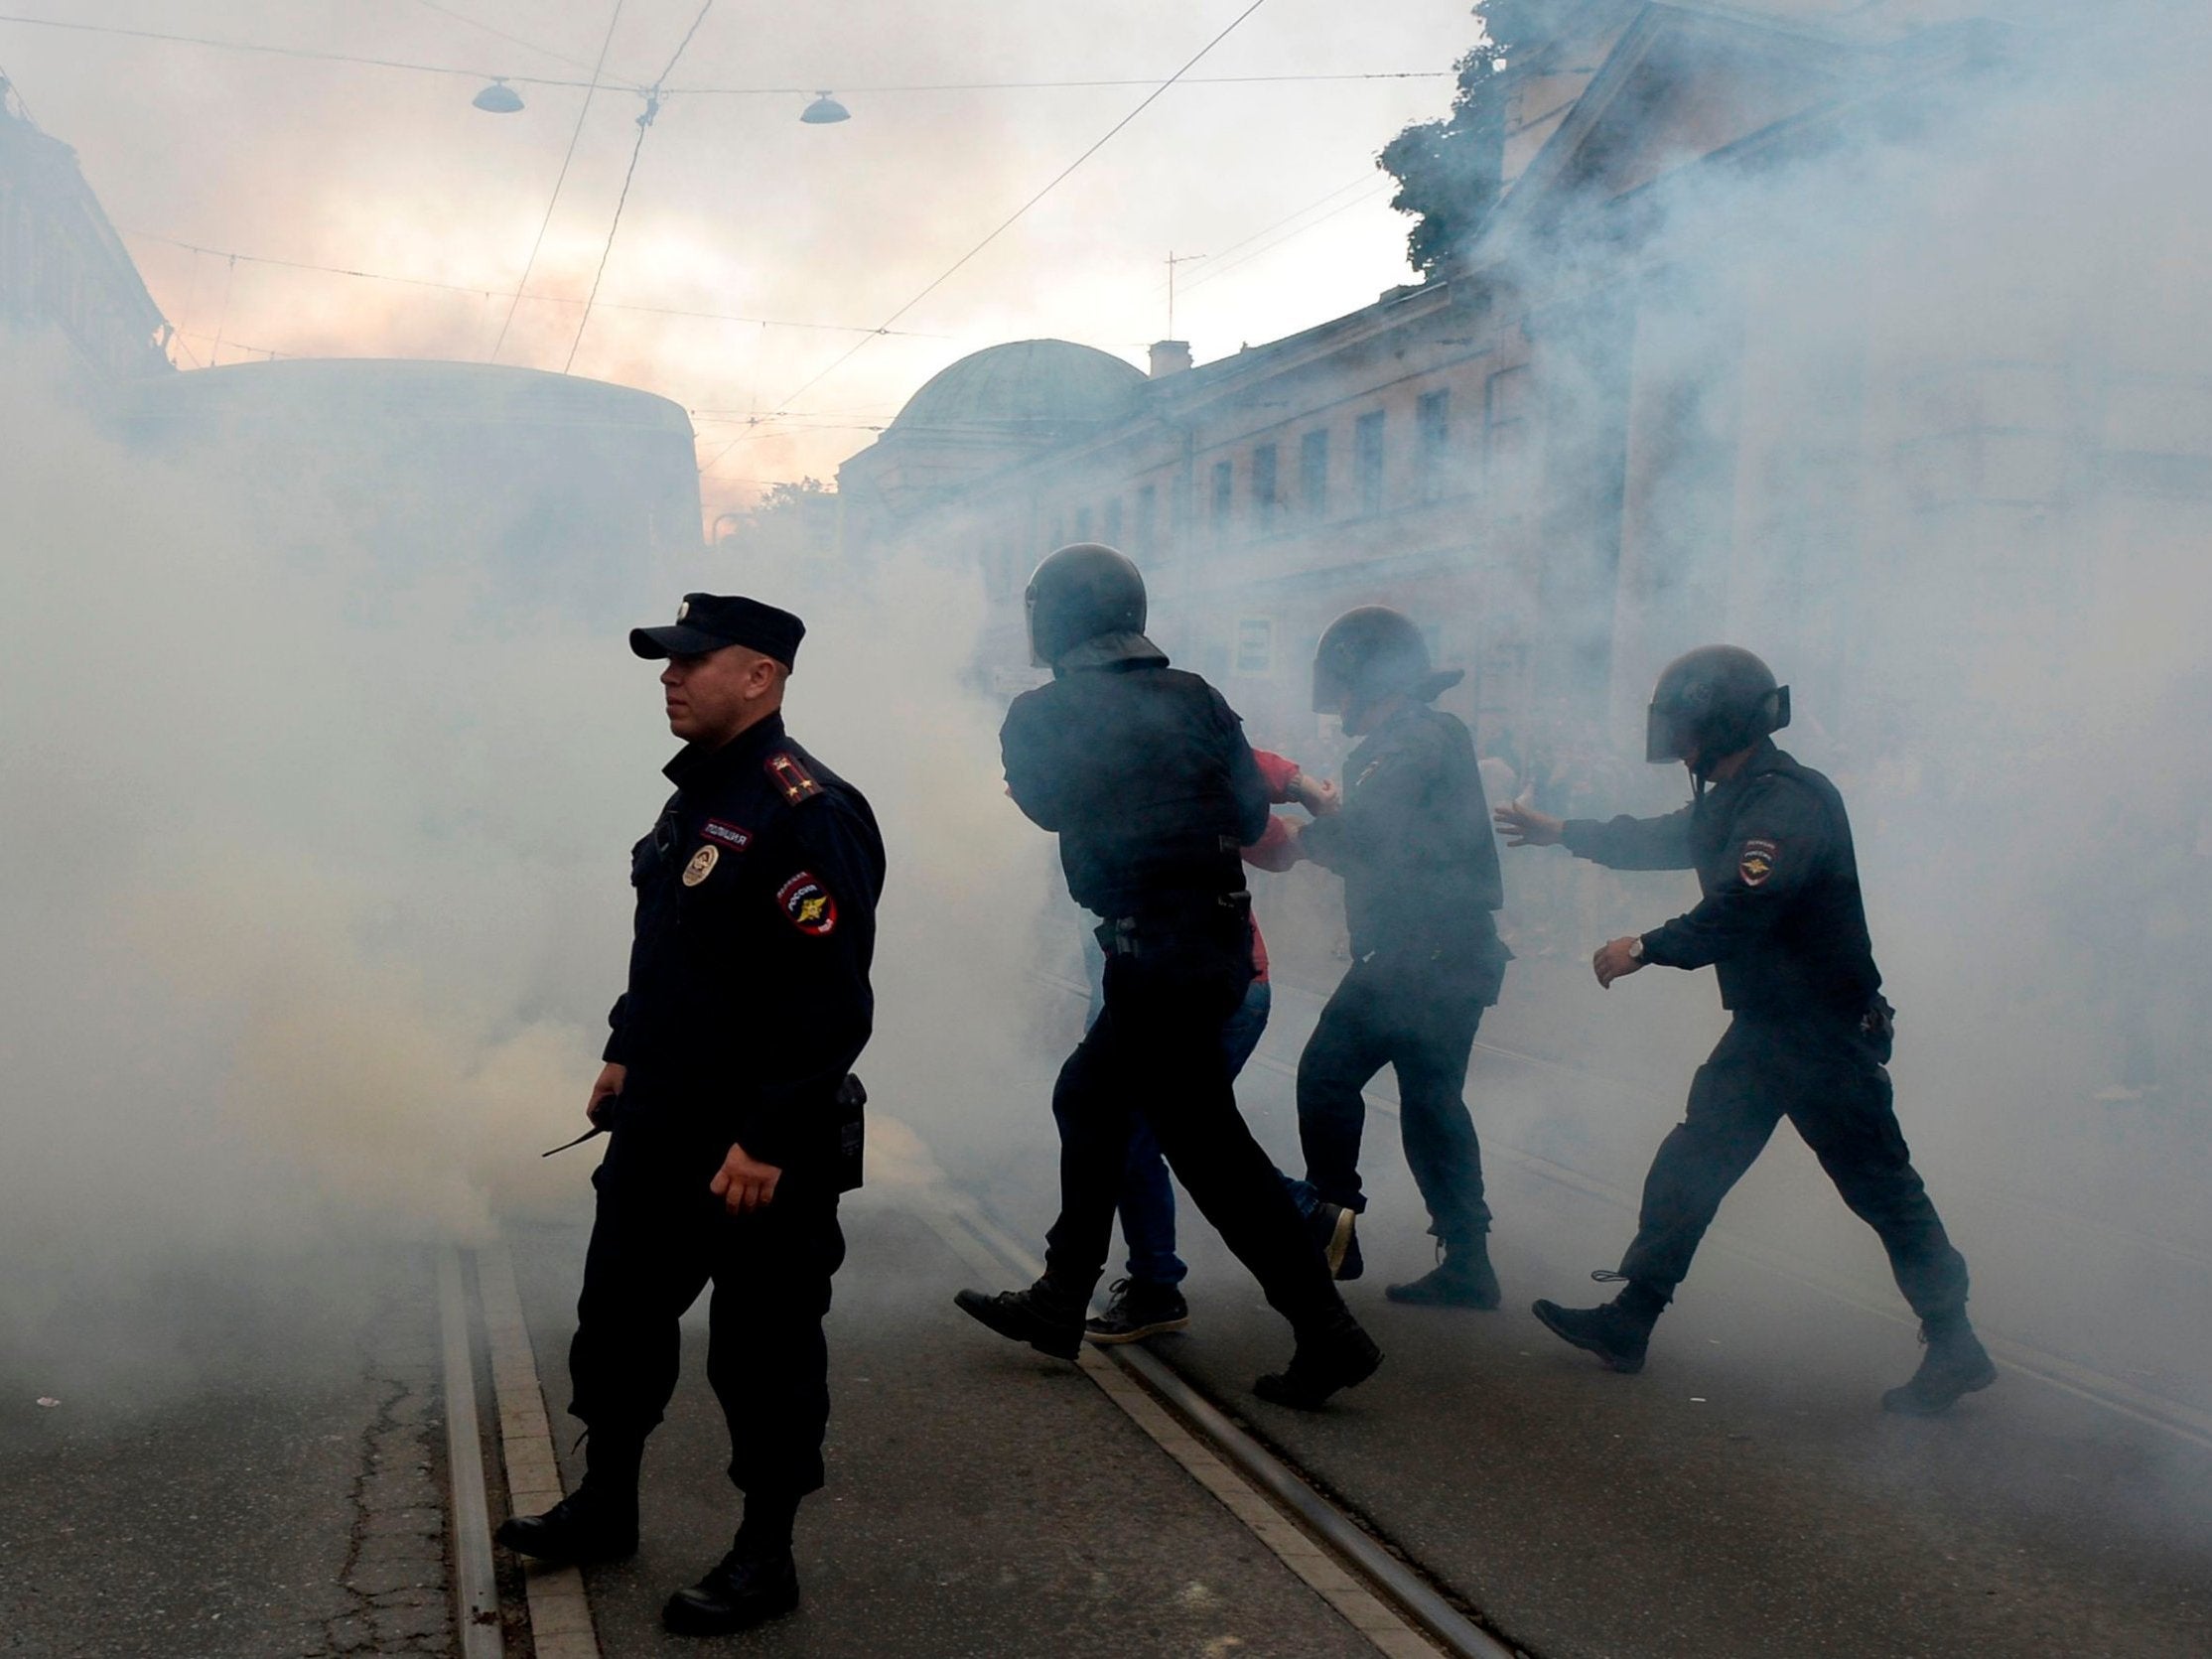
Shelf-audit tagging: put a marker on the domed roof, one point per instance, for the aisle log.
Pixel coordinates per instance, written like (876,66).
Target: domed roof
(1025,383)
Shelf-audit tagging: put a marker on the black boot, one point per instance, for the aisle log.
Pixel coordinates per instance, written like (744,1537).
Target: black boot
(595,1522)
(750,1587)
(1464,1279)
(1137,1310)
(1039,1315)
(1324,1361)
(1336,1231)
(1617,1334)
(1955,1365)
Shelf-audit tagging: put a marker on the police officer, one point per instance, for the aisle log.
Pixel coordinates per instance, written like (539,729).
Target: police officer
(1412,841)
(1782,922)
(734,1123)
(1145,775)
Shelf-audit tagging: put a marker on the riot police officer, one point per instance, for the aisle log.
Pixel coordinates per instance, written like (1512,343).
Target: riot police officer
(1143,772)
(1412,841)
(732,1119)
(1782,922)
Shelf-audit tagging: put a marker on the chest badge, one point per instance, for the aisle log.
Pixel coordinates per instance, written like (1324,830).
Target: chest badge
(700,865)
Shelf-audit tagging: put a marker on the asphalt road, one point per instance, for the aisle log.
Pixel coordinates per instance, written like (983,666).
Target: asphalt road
(1742,1496)
(983,1501)
(244,1462)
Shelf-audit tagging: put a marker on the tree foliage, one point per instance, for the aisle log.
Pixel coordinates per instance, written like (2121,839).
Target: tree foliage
(1450,172)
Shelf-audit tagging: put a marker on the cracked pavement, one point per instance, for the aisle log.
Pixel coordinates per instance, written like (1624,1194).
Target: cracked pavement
(244,1464)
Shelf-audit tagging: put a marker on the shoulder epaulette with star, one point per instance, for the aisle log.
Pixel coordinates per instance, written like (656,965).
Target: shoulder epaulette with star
(798,784)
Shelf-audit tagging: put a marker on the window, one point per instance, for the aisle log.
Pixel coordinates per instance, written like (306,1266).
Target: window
(1082,523)
(1367,460)
(1313,473)
(1263,487)
(1255,645)
(1432,420)
(1113,522)
(1505,446)
(1224,494)
(1148,516)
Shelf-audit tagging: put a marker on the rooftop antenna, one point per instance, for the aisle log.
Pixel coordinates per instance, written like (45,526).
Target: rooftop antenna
(1174,260)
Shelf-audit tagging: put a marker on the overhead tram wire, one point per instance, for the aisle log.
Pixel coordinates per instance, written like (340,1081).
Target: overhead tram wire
(513,40)
(1008,222)
(644,125)
(506,294)
(1211,271)
(560,179)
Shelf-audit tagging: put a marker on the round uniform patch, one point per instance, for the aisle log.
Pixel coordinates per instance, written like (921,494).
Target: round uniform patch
(809,905)
(700,865)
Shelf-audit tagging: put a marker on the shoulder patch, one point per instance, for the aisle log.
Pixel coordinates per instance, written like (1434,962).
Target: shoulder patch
(807,904)
(732,836)
(796,782)
(1756,861)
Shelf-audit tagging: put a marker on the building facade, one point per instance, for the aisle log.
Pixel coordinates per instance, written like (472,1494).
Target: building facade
(63,272)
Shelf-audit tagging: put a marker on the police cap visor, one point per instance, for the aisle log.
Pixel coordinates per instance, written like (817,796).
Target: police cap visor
(710,622)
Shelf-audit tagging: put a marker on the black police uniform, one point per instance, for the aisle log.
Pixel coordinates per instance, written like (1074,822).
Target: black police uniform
(747,1002)
(1783,925)
(1145,773)
(1413,842)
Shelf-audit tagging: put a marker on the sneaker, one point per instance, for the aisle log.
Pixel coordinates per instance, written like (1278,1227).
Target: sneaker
(1614,1335)
(1335,1229)
(1956,1364)
(1464,1279)
(745,1589)
(1138,1308)
(594,1523)
(1322,1363)
(1034,1315)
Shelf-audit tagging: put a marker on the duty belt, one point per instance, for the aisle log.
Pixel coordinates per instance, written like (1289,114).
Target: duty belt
(1121,935)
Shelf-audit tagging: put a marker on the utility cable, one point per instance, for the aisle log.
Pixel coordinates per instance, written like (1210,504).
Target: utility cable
(544,224)
(511,39)
(1006,224)
(644,125)
(315,54)
(501,293)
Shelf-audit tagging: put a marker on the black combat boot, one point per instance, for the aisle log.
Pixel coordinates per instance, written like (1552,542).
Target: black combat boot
(595,1522)
(1049,1322)
(1336,1231)
(1463,1279)
(1324,1361)
(1618,1333)
(1139,1309)
(1955,1365)
(750,1587)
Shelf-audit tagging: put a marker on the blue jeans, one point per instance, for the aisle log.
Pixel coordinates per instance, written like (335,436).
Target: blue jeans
(1147,1198)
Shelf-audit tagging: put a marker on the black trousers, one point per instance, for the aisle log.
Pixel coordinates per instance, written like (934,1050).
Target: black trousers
(1826,1079)
(1155,1053)
(658,1239)
(1423,1026)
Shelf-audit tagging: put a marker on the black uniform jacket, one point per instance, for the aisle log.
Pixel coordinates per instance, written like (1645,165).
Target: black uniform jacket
(1781,919)
(1143,772)
(749,998)
(1414,844)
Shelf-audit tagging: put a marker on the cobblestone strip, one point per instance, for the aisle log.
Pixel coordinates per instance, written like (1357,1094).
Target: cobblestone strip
(394,1575)
(560,1613)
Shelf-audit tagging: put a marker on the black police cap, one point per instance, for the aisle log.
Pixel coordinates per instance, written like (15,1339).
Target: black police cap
(708,622)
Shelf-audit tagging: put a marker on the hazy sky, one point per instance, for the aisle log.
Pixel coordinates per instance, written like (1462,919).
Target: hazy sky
(737,208)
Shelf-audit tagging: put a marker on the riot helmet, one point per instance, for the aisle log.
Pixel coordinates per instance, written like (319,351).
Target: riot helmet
(1079,594)
(1371,654)
(1712,701)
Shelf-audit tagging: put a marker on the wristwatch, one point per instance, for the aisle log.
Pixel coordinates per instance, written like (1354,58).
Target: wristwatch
(1636,949)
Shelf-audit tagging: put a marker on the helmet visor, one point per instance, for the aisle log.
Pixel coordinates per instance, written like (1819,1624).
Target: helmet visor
(1037,659)
(1664,736)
